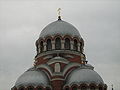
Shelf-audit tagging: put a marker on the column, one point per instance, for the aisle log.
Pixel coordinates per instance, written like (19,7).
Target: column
(62,44)
(44,45)
(79,47)
(72,44)
(53,45)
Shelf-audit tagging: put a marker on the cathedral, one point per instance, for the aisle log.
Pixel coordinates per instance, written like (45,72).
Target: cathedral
(60,62)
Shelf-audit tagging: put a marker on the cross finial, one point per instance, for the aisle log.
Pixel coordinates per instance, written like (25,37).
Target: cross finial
(59,17)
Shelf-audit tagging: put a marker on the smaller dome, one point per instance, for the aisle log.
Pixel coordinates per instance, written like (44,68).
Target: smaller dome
(60,27)
(84,76)
(32,77)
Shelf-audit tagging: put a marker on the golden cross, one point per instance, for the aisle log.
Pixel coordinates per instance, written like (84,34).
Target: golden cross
(59,9)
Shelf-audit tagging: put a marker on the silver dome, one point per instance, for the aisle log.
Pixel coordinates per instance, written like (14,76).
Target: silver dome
(32,77)
(84,76)
(59,27)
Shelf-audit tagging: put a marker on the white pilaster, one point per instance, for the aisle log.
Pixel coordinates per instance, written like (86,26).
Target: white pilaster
(53,45)
(71,43)
(78,46)
(62,44)
(44,44)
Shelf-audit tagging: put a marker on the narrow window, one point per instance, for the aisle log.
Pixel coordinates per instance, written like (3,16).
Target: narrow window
(49,45)
(39,88)
(92,88)
(66,88)
(57,67)
(48,88)
(67,44)
(57,44)
(100,88)
(75,45)
(21,88)
(30,88)
(41,46)
(74,88)
(83,88)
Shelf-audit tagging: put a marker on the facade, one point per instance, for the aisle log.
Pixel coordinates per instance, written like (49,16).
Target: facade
(60,63)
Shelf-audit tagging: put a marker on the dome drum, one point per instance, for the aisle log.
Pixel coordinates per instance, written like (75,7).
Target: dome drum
(57,43)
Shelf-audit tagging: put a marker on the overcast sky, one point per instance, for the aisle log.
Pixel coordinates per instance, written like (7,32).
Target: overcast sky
(21,22)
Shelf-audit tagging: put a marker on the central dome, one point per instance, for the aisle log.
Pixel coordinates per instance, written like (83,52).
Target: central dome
(60,27)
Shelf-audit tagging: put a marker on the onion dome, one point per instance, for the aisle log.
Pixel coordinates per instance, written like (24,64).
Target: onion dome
(32,77)
(60,27)
(84,76)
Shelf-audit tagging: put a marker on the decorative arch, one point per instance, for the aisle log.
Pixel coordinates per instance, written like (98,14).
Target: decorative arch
(68,36)
(74,87)
(57,43)
(67,44)
(49,45)
(66,88)
(92,86)
(83,86)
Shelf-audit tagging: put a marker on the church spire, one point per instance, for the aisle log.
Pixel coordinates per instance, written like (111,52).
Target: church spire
(59,13)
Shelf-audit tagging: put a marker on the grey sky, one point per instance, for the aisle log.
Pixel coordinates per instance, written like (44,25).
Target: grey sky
(21,22)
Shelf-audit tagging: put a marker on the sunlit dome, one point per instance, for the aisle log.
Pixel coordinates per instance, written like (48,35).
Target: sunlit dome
(60,27)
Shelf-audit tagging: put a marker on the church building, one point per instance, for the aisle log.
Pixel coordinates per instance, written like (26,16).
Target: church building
(60,62)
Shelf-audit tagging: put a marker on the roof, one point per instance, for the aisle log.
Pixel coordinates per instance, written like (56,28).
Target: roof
(60,27)
(84,76)
(32,77)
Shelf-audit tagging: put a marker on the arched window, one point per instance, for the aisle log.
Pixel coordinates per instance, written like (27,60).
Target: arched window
(75,45)
(39,88)
(30,88)
(41,46)
(100,88)
(47,88)
(67,44)
(21,88)
(57,67)
(83,88)
(92,88)
(49,44)
(66,88)
(74,88)
(57,43)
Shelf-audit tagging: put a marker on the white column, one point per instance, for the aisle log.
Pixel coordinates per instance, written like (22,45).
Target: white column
(39,48)
(78,46)
(53,45)
(44,45)
(62,44)
(71,43)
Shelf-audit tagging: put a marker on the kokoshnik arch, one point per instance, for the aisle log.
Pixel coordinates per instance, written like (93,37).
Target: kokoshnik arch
(60,63)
